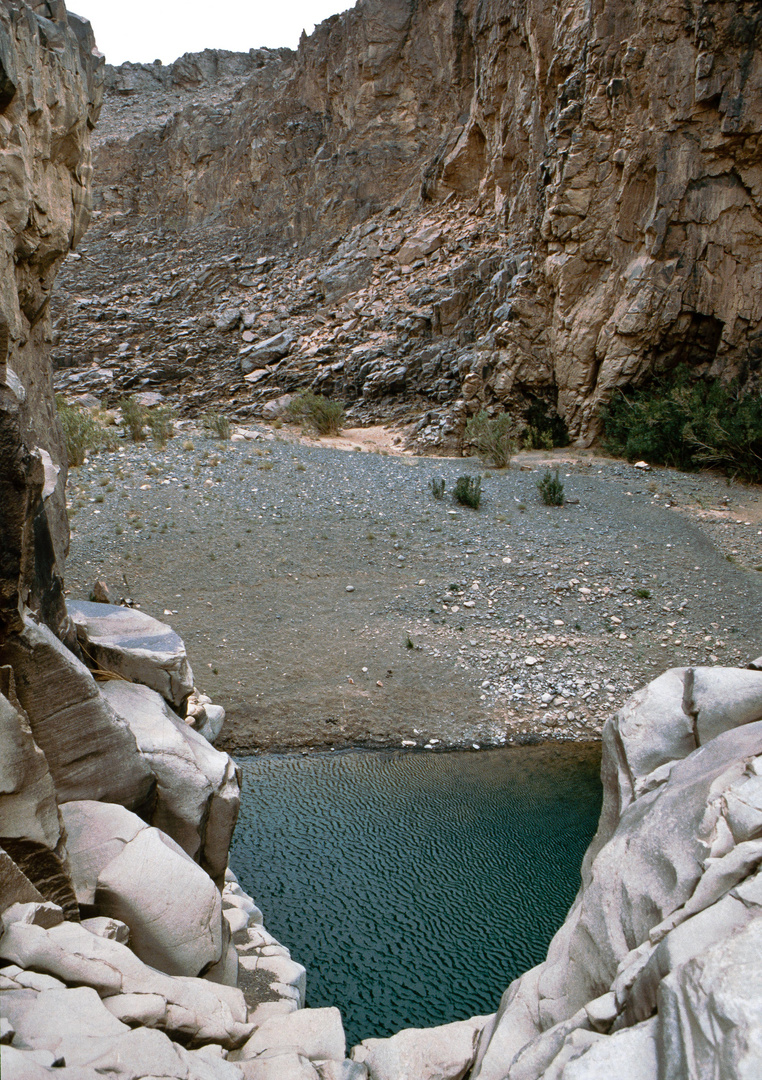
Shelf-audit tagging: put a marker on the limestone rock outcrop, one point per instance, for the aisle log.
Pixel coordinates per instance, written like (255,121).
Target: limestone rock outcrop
(447,205)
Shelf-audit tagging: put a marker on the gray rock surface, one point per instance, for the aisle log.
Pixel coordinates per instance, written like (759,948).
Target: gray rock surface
(51,94)
(135,645)
(63,704)
(313,1033)
(197,786)
(196,1009)
(148,886)
(439,1053)
(670,882)
(27,794)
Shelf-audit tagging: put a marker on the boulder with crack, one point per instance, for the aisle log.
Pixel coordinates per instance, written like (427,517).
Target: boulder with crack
(197,786)
(134,645)
(135,873)
(90,752)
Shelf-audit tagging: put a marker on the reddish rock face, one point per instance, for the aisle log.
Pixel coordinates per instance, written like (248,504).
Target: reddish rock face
(50,94)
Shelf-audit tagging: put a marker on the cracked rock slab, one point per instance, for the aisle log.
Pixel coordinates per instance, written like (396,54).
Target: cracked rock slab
(135,645)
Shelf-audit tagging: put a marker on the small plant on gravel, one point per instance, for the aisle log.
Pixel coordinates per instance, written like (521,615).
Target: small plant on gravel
(468,491)
(218,425)
(437,487)
(643,594)
(188,446)
(133,418)
(162,425)
(319,414)
(493,437)
(551,489)
(81,431)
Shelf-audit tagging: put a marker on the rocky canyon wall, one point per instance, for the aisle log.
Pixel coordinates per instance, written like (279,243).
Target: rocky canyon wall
(50,94)
(609,150)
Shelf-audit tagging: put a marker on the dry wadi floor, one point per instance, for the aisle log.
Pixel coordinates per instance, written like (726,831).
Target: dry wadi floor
(326,598)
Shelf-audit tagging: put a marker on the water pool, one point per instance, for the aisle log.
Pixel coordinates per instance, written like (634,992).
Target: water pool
(415,886)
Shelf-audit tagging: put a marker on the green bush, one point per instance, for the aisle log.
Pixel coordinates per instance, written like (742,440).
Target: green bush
(686,425)
(437,487)
(551,489)
(161,422)
(319,414)
(133,418)
(544,427)
(82,432)
(218,425)
(468,491)
(493,437)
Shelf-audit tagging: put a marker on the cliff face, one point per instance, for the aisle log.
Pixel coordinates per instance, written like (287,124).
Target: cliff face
(50,93)
(609,150)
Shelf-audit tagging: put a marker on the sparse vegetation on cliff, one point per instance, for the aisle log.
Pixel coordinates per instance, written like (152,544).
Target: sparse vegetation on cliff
(162,424)
(218,425)
(133,418)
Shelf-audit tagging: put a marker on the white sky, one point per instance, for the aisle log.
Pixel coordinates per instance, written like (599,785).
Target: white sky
(147,30)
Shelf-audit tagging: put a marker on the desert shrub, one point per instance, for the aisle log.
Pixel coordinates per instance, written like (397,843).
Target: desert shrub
(218,425)
(437,487)
(687,425)
(82,432)
(551,489)
(468,491)
(318,413)
(133,418)
(544,428)
(536,439)
(162,425)
(493,437)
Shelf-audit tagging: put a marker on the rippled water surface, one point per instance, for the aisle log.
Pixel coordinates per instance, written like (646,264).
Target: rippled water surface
(412,886)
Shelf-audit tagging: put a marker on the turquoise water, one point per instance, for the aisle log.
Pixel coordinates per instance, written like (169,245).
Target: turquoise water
(414,887)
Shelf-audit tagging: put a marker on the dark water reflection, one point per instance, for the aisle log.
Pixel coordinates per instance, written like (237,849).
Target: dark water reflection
(414,887)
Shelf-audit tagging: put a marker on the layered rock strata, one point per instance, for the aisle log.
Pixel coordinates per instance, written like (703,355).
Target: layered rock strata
(571,194)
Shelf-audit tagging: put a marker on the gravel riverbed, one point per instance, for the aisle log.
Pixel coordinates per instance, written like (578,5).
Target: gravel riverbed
(327,599)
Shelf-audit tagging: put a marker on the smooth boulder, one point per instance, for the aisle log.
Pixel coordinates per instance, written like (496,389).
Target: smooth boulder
(135,645)
(173,909)
(197,786)
(28,806)
(132,872)
(439,1053)
(313,1033)
(90,752)
(196,1009)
